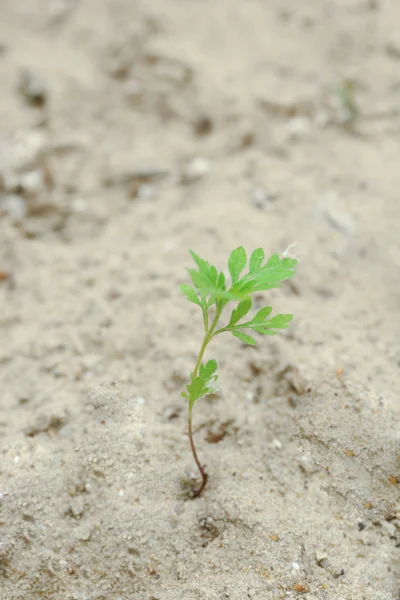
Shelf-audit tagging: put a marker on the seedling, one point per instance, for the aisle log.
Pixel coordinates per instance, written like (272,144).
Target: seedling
(211,293)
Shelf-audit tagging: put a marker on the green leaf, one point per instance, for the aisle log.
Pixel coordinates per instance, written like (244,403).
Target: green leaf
(195,388)
(221,281)
(209,390)
(241,310)
(236,263)
(279,321)
(200,262)
(200,281)
(207,371)
(208,273)
(243,337)
(269,276)
(257,256)
(217,294)
(262,328)
(190,294)
(262,314)
(267,327)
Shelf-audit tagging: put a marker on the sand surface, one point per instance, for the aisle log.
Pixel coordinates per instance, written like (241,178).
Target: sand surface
(130,132)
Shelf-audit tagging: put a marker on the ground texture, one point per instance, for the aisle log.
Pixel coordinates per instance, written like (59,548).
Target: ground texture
(130,132)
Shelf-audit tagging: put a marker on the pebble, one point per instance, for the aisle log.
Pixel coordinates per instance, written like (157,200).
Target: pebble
(299,128)
(85,533)
(320,557)
(14,206)
(32,182)
(22,152)
(276,444)
(203,125)
(197,169)
(145,191)
(32,88)
(76,507)
(388,528)
(307,465)
(259,197)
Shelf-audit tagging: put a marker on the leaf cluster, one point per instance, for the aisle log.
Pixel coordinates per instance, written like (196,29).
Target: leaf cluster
(210,289)
(203,384)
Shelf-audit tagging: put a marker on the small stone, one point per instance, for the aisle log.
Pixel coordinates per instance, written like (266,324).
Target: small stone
(14,206)
(85,532)
(259,197)
(320,557)
(145,191)
(172,412)
(299,128)
(203,125)
(197,169)
(301,588)
(31,182)
(32,88)
(307,465)
(388,528)
(276,444)
(76,507)
(336,572)
(23,152)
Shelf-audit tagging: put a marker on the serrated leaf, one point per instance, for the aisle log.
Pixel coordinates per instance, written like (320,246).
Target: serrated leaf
(195,388)
(224,295)
(211,366)
(272,261)
(262,328)
(190,294)
(256,258)
(289,263)
(268,327)
(207,274)
(213,274)
(267,277)
(199,280)
(236,263)
(279,321)
(243,337)
(207,371)
(262,314)
(221,281)
(200,262)
(242,309)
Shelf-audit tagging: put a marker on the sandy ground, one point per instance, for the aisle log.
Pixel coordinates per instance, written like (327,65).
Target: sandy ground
(143,129)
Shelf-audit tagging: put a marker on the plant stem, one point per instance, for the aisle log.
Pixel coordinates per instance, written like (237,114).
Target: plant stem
(207,338)
(204,475)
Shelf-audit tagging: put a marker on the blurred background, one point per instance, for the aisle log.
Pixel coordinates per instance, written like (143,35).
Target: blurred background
(131,131)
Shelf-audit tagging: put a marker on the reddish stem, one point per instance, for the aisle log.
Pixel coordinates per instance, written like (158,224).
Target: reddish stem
(203,474)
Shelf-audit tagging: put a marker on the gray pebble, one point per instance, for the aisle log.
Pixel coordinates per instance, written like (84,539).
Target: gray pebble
(14,206)
(32,88)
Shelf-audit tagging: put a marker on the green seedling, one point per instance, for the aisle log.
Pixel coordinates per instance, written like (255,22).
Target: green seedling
(212,294)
